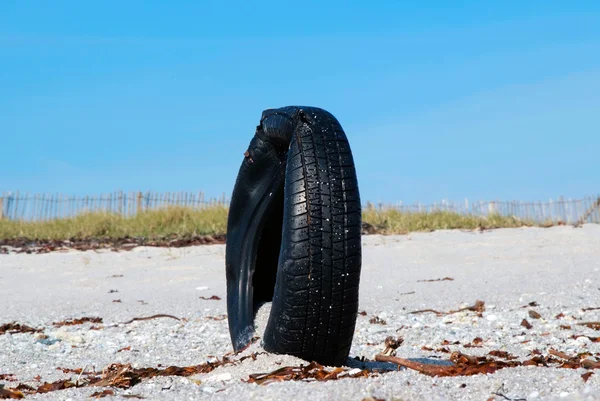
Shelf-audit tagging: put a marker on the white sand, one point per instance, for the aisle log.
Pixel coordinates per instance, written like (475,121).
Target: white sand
(559,268)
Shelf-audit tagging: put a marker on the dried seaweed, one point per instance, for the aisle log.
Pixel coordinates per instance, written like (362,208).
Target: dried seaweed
(54,386)
(13,328)
(502,355)
(476,343)
(437,279)
(312,372)
(101,394)
(526,324)
(212,298)
(586,376)
(6,394)
(77,371)
(29,246)
(392,344)
(124,376)
(220,317)
(377,320)
(73,322)
(467,365)
(592,339)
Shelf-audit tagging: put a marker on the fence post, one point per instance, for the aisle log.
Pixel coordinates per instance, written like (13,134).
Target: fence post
(38,213)
(492,208)
(139,202)
(1,207)
(119,199)
(16,206)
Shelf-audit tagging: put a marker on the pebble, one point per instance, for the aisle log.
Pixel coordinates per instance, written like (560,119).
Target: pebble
(223,377)
(69,337)
(582,340)
(54,346)
(48,341)
(354,371)
(448,319)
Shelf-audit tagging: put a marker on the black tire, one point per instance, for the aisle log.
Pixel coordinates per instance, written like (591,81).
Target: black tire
(294,237)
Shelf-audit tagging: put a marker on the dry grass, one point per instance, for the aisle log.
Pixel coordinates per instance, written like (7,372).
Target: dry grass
(176,221)
(184,222)
(389,221)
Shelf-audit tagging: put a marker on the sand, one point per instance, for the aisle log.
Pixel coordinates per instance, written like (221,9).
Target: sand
(557,268)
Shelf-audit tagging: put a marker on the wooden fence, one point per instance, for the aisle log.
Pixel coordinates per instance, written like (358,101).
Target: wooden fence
(560,210)
(20,206)
(16,206)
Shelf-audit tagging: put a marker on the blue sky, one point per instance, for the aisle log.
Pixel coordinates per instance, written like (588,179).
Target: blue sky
(439,99)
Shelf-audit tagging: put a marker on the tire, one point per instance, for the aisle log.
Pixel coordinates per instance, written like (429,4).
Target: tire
(294,237)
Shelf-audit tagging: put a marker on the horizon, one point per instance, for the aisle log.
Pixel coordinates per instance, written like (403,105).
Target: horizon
(495,102)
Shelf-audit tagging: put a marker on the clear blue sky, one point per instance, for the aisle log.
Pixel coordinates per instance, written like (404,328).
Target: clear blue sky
(440,99)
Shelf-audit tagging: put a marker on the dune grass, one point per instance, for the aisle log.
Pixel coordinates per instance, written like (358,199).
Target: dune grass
(395,222)
(161,223)
(184,222)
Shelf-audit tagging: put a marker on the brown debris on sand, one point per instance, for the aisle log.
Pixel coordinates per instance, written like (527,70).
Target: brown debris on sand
(27,245)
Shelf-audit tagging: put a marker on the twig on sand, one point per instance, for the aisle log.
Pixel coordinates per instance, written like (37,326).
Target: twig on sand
(559,354)
(463,365)
(499,394)
(479,307)
(591,325)
(151,317)
(430,370)
(427,310)
(79,377)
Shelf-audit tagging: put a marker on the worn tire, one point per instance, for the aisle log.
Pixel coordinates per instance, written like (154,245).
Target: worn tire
(294,237)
